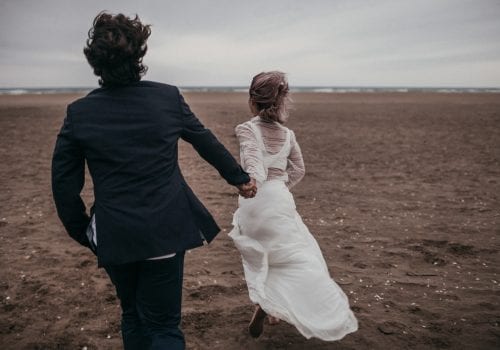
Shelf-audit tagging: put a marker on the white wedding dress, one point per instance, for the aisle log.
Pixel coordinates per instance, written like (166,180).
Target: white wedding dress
(283,265)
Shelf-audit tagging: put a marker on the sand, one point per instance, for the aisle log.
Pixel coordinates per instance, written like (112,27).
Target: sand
(401,192)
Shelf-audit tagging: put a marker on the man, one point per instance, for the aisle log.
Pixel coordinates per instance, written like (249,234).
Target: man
(144,216)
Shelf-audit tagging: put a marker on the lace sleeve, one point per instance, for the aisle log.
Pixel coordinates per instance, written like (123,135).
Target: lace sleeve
(295,167)
(250,153)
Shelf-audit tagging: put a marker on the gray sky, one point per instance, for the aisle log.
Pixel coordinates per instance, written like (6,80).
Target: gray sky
(320,43)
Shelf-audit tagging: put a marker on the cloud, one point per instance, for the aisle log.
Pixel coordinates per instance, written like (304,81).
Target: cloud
(431,43)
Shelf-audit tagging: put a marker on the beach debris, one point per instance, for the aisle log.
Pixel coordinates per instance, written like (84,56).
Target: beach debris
(389,327)
(344,283)
(385,330)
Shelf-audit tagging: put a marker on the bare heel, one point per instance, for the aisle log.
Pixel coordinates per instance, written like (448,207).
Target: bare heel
(273,320)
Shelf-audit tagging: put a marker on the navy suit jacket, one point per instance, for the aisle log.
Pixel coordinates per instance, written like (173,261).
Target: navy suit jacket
(143,206)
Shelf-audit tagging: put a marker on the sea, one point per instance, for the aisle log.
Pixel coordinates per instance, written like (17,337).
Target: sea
(307,89)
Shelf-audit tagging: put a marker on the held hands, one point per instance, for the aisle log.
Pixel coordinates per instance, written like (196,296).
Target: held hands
(248,190)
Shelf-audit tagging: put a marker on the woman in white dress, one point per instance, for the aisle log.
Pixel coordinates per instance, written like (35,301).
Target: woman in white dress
(286,274)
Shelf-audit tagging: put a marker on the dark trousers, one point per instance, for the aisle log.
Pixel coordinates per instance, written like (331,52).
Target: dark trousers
(150,294)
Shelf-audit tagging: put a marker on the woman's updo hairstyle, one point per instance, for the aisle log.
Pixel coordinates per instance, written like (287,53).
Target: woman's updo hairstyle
(115,47)
(269,96)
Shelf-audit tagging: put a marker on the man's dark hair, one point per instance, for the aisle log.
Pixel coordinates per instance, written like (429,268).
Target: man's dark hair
(115,48)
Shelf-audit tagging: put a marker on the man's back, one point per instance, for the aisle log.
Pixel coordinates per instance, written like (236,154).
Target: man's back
(128,136)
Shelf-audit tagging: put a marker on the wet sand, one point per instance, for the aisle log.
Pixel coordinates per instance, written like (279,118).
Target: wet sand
(401,191)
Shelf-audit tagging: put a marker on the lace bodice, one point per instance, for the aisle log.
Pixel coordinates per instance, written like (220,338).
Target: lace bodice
(269,151)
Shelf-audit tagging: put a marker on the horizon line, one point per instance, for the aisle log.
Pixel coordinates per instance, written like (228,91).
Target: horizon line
(291,87)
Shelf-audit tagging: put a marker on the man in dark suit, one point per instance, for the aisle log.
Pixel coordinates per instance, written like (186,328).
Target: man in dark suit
(145,216)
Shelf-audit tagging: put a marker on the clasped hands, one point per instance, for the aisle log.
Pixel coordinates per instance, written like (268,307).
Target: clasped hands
(248,190)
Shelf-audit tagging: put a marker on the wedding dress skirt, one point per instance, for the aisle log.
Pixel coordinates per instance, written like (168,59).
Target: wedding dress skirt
(284,268)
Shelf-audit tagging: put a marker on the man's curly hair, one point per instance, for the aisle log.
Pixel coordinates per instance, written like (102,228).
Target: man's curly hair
(115,48)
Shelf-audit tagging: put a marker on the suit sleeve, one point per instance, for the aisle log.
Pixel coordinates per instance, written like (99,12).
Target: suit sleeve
(209,148)
(68,178)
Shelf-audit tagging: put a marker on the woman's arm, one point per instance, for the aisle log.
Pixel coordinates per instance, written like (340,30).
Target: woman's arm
(295,167)
(250,153)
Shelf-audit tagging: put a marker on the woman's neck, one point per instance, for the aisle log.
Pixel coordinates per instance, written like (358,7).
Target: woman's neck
(265,119)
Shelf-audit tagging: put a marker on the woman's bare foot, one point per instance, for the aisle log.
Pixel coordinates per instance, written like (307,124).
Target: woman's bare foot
(256,326)
(273,320)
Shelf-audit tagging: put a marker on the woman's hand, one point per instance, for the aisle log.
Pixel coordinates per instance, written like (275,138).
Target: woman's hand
(248,190)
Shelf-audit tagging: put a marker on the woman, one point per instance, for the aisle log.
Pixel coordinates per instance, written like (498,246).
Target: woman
(286,274)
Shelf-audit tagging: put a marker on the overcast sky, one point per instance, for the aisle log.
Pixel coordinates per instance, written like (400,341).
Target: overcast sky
(212,42)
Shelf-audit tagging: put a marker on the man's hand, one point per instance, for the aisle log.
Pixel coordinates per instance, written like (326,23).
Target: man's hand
(248,190)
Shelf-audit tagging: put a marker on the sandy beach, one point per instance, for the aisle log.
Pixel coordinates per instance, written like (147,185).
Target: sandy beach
(402,192)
